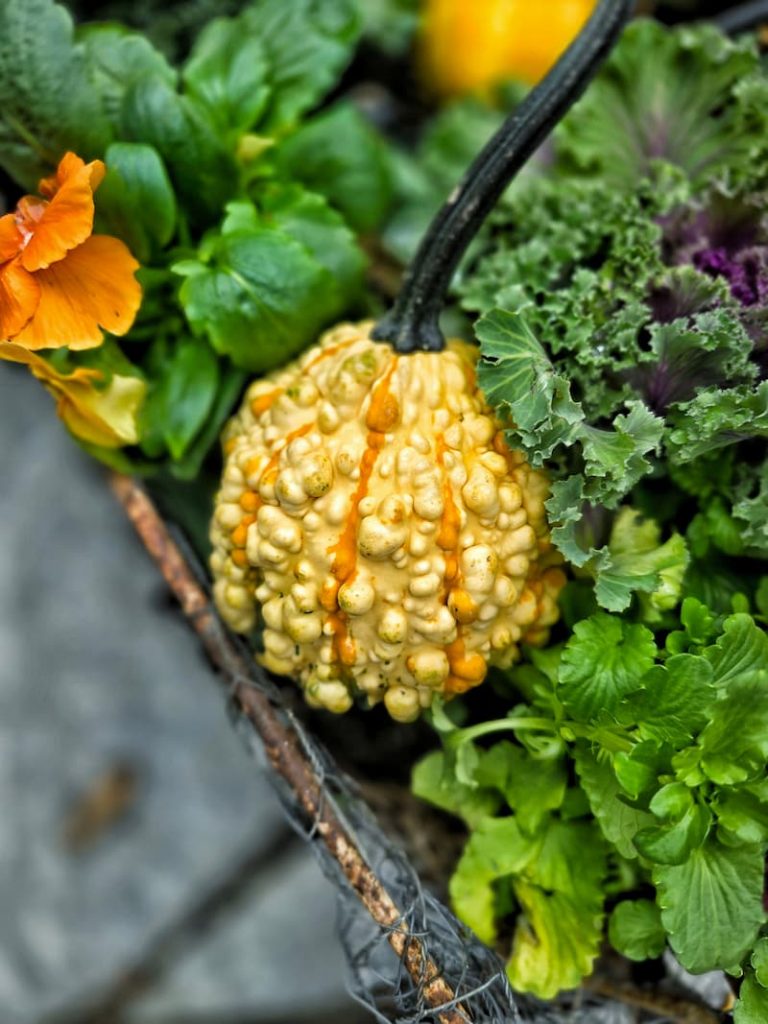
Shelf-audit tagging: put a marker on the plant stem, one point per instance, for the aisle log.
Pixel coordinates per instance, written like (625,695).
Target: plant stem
(413,322)
(520,724)
(604,736)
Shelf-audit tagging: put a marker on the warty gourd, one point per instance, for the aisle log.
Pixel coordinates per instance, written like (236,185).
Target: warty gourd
(371,507)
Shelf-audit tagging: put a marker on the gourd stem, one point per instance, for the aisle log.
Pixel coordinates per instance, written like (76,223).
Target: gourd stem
(744,17)
(413,322)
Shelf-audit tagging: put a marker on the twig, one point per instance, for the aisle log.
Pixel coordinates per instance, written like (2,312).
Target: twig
(165,947)
(283,748)
(684,1011)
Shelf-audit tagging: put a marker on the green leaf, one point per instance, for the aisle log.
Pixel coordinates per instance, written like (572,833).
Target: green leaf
(117,58)
(136,198)
(734,744)
(639,562)
(431,781)
(742,649)
(497,848)
(674,703)
(638,770)
(759,961)
(635,930)
(180,129)
(558,936)
(228,393)
(181,396)
(752,1007)
(227,73)
(516,374)
(618,821)
(531,786)
(620,454)
(308,43)
(261,300)
(556,942)
(672,801)
(698,627)
(273,278)
(750,503)
(339,154)
(309,219)
(603,661)
(47,102)
(674,843)
(711,906)
(716,419)
(742,816)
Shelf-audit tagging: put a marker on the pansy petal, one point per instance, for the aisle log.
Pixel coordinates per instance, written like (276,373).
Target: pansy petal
(10,238)
(16,354)
(19,298)
(103,416)
(94,285)
(69,165)
(106,417)
(63,223)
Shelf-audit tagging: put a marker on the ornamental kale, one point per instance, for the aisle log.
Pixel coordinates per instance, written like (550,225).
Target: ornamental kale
(623,322)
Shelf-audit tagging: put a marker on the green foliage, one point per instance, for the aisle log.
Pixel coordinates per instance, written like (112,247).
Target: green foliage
(227,73)
(636,930)
(265,284)
(136,200)
(116,59)
(670,750)
(47,102)
(722,886)
(604,660)
(339,154)
(389,24)
(206,170)
(181,396)
(424,181)
(752,1007)
(307,44)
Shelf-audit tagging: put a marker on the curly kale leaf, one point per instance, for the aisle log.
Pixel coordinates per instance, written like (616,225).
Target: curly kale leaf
(690,97)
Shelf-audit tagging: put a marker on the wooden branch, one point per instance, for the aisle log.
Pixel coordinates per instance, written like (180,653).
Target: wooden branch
(283,747)
(683,1011)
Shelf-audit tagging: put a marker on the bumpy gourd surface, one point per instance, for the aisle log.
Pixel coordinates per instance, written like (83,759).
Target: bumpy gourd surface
(370,507)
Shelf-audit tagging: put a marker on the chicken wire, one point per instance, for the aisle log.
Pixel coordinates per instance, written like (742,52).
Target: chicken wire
(377,980)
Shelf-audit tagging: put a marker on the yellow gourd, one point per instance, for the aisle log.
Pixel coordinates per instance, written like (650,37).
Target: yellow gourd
(470,45)
(371,508)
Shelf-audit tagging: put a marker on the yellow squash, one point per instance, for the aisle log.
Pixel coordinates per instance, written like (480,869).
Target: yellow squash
(470,45)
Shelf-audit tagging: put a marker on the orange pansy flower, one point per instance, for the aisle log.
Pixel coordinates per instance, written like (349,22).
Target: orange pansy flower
(59,284)
(103,416)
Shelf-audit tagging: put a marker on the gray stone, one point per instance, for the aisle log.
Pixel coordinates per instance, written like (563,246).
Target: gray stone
(95,670)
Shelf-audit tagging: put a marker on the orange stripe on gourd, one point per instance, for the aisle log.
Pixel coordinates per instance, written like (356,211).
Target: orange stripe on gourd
(467,671)
(383,415)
